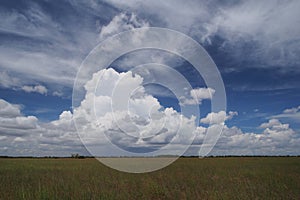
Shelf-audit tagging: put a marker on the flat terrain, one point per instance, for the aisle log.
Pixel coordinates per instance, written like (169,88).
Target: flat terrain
(187,178)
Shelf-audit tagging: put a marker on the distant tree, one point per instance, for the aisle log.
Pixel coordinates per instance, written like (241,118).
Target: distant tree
(75,155)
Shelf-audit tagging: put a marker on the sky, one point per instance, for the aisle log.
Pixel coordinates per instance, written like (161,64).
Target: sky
(113,112)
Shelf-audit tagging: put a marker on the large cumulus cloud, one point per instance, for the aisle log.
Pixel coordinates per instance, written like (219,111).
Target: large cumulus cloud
(117,107)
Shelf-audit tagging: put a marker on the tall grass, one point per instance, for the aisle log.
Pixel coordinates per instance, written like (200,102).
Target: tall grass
(187,178)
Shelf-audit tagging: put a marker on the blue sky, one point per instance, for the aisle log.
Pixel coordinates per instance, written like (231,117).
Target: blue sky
(255,46)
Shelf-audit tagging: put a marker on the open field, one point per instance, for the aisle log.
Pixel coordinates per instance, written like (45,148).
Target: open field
(187,178)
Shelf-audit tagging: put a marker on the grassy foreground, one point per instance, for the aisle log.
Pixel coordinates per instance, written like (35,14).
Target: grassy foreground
(187,178)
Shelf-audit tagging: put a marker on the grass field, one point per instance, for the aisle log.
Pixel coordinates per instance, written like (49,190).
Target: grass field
(187,178)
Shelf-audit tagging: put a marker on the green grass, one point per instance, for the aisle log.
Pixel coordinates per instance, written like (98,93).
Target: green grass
(187,178)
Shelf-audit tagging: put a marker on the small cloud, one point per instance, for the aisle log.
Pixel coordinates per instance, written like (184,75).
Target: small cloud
(37,88)
(231,115)
(290,113)
(58,93)
(197,95)
(218,118)
(277,130)
(291,110)
(19,139)
(270,123)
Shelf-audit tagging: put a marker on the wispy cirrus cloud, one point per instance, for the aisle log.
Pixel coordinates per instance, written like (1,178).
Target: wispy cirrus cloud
(269,29)
(41,48)
(120,23)
(43,41)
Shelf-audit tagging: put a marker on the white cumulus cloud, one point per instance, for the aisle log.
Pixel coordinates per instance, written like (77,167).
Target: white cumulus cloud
(37,88)
(145,126)
(197,95)
(218,118)
(117,106)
